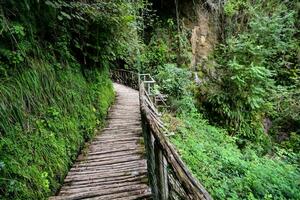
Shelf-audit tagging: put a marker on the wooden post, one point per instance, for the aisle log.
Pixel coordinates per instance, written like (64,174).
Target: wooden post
(165,177)
(149,143)
(149,89)
(156,187)
(161,172)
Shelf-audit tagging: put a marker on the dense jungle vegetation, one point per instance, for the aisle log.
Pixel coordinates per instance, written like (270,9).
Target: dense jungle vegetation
(235,116)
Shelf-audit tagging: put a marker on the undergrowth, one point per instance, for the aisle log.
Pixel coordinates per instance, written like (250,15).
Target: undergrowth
(235,156)
(46,116)
(54,85)
(228,172)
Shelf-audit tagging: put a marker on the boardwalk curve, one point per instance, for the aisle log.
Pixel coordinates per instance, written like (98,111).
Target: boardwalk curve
(114,166)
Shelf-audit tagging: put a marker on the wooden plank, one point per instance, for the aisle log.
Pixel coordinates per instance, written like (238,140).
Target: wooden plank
(94,171)
(119,129)
(96,148)
(112,166)
(103,180)
(115,150)
(110,191)
(124,161)
(104,175)
(141,178)
(114,154)
(118,135)
(112,158)
(66,191)
(117,139)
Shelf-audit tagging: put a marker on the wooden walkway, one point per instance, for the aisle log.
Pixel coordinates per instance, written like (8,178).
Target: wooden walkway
(114,166)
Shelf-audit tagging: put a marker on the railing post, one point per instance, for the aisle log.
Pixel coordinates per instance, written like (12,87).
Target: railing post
(165,178)
(161,172)
(149,143)
(149,89)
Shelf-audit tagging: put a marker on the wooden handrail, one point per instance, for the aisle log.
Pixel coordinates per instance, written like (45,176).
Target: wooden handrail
(125,77)
(170,178)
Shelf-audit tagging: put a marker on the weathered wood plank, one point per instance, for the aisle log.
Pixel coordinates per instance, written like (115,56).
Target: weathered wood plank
(130,195)
(108,155)
(141,178)
(110,191)
(115,150)
(132,164)
(115,159)
(99,187)
(105,180)
(94,171)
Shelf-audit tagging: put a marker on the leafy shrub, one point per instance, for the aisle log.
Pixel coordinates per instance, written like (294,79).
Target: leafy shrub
(232,7)
(173,80)
(95,33)
(156,54)
(241,95)
(165,47)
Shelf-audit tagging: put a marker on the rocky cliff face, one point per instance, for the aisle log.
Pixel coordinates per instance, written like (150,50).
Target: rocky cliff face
(199,19)
(203,39)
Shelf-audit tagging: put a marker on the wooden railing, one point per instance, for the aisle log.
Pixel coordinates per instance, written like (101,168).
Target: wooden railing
(125,77)
(168,175)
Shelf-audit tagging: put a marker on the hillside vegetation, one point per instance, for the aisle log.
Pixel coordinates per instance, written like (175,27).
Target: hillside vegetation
(234,111)
(236,124)
(54,86)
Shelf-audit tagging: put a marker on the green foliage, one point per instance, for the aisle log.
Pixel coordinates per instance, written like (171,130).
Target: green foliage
(252,67)
(95,33)
(177,84)
(174,81)
(231,7)
(46,116)
(255,78)
(228,172)
(286,117)
(54,84)
(167,60)
(165,47)
(156,54)
(242,94)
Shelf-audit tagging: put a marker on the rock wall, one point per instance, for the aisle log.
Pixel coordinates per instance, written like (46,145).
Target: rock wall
(201,22)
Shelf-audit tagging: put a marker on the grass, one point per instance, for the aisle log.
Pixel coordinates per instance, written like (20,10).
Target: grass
(46,115)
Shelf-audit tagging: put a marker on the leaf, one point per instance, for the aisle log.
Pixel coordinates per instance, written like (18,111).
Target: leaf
(49,3)
(66,15)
